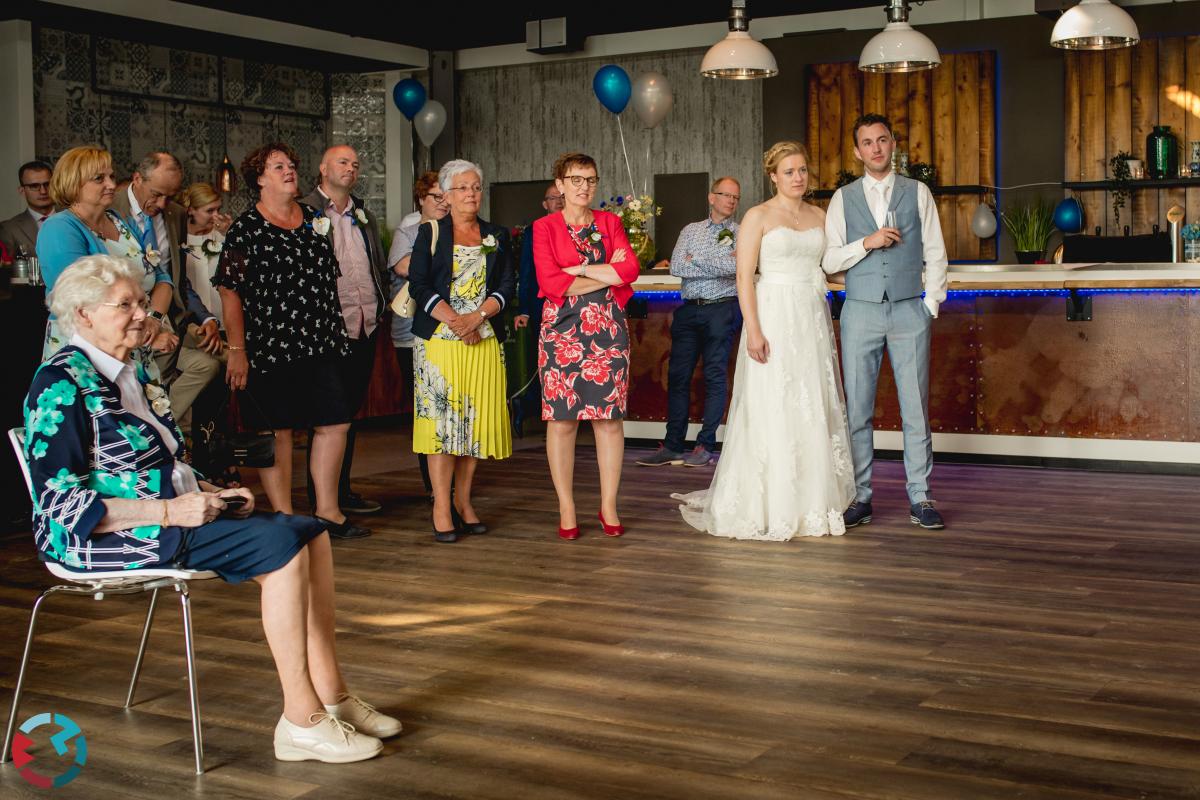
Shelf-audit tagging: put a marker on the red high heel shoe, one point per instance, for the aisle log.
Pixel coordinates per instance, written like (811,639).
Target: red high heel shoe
(568,533)
(609,530)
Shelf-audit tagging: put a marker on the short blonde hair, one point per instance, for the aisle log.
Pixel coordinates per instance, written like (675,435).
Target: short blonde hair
(197,195)
(87,282)
(76,167)
(722,179)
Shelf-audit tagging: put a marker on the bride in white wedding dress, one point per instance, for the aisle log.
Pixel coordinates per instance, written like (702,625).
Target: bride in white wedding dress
(785,467)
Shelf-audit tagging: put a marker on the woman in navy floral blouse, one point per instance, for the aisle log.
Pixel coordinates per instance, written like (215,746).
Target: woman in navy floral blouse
(278,283)
(111,492)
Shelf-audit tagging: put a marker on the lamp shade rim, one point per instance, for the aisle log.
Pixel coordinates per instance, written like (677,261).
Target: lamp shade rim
(1094,25)
(899,48)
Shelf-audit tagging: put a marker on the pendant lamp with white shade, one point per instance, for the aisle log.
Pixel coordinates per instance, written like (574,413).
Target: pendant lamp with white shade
(1094,25)
(738,57)
(899,47)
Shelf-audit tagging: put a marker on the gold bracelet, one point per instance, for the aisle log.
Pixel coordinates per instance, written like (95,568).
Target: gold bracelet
(166,520)
(233,347)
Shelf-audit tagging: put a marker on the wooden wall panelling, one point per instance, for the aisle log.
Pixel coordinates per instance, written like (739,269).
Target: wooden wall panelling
(874,93)
(943,144)
(852,109)
(1071,167)
(966,148)
(1192,86)
(987,139)
(1171,77)
(1144,114)
(1091,136)
(812,139)
(897,106)
(920,126)
(1118,109)
(830,135)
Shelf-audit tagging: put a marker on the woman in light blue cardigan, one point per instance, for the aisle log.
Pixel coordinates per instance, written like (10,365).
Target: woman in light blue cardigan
(83,184)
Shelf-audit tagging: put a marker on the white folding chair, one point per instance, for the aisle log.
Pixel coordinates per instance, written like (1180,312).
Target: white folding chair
(98,585)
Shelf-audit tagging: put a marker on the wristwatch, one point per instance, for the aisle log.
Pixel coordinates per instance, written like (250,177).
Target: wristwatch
(482,313)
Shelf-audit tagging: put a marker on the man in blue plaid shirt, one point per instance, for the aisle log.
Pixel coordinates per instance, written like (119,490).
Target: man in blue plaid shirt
(703,327)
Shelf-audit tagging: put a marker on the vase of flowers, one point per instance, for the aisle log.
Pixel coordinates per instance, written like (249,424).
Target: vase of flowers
(636,214)
(1191,242)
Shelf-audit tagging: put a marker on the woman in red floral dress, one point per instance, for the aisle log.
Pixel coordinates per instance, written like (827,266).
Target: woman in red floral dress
(585,268)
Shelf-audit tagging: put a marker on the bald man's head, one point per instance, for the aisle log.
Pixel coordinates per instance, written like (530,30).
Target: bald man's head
(339,168)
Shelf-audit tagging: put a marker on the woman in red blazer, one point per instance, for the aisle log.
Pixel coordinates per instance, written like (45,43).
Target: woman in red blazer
(585,268)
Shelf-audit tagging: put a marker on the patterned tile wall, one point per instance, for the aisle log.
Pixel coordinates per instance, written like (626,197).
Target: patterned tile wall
(69,112)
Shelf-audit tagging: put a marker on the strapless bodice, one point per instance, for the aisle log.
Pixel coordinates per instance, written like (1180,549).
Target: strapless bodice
(790,256)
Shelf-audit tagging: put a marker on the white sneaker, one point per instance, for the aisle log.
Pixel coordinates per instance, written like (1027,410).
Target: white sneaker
(329,740)
(364,717)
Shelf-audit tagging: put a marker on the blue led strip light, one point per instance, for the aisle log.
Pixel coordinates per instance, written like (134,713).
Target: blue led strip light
(966,293)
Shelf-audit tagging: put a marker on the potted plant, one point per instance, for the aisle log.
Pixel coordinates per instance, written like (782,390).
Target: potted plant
(925,173)
(1030,226)
(1121,175)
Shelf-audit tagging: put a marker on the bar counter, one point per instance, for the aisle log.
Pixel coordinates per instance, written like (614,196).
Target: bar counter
(1096,362)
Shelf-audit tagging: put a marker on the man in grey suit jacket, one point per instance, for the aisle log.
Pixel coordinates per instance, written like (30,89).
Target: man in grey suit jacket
(362,263)
(161,224)
(883,232)
(21,232)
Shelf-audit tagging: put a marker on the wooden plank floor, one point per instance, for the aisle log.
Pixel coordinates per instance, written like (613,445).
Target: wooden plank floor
(1046,646)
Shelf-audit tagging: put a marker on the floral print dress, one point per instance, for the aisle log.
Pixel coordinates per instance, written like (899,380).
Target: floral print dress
(584,352)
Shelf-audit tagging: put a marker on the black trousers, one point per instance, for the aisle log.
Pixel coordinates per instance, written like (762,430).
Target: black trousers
(699,332)
(356,377)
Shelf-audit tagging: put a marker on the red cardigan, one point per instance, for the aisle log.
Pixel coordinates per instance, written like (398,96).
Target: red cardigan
(553,251)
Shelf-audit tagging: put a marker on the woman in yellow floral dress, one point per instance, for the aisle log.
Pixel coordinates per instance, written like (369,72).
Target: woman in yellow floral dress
(461,276)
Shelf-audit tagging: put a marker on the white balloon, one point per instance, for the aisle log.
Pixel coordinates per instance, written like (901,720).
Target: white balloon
(652,98)
(429,121)
(983,222)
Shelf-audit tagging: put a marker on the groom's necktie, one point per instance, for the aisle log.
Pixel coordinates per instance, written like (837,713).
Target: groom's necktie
(881,203)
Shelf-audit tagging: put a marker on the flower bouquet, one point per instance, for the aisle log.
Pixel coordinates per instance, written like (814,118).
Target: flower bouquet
(636,213)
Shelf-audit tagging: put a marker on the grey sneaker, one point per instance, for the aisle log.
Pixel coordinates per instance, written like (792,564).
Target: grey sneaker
(700,457)
(661,458)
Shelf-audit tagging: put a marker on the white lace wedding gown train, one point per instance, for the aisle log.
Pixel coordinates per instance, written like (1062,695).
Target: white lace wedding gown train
(785,467)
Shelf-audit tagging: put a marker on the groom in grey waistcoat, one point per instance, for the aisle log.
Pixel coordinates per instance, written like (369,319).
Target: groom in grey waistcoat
(883,232)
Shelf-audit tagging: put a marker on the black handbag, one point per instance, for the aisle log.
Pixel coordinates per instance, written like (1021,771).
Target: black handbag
(230,447)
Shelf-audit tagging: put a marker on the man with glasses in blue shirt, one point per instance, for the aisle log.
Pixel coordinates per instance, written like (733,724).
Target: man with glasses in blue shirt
(703,327)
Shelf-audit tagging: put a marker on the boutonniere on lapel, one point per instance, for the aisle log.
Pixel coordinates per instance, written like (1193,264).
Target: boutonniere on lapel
(159,402)
(725,237)
(360,216)
(153,257)
(320,224)
(488,245)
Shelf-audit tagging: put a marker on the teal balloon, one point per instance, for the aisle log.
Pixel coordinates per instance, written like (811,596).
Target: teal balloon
(612,87)
(1068,216)
(409,97)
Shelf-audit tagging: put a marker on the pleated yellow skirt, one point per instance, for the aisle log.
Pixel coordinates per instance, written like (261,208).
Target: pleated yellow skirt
(460,399)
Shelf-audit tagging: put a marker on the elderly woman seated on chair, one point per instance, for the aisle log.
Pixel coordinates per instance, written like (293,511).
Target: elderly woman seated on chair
(110,492)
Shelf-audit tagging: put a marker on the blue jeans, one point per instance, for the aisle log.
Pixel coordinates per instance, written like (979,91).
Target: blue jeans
(699,332)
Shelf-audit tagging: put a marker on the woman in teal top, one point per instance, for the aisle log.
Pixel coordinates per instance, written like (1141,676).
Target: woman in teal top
(83,184)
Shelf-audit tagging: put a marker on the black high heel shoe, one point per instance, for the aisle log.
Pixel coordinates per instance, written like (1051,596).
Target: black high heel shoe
(450,536)
(464,527)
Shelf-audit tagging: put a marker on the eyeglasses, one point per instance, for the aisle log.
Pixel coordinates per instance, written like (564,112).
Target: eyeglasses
(554,198)
(728,196)
(437,198)
(579,180)
(474,188)
(127,306)
(43,185)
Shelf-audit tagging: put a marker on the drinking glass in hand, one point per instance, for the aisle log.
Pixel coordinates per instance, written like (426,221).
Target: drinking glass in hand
(890,220)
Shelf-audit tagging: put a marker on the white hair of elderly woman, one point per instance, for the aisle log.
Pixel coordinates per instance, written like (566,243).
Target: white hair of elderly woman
(87,282)
(452,169)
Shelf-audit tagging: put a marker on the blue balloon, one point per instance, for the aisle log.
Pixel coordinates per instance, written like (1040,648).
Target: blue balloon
(612,87)
(409,97)
(1068,216)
